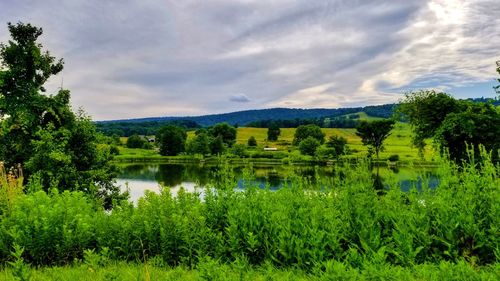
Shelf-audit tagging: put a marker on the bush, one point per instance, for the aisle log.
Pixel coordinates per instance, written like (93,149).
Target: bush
(252,142)
(304,131)
(135,141)
(239,150)
(393,158)
(309,146)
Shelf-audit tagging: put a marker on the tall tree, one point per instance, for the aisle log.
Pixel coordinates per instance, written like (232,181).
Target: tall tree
(304,131)
(425,111)
(225,131)
(478,125)
(171,139)
(58,148)
(373,134)
(273,131)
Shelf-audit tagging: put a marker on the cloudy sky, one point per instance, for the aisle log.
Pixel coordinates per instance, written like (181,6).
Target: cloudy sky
(143,58)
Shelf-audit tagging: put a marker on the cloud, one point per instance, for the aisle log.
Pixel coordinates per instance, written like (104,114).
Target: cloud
(239,98)
(127,58)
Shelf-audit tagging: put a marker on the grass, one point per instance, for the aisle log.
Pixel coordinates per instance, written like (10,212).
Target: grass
(211,270)
(399,142)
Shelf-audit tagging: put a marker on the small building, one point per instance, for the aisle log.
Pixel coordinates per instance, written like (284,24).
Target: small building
(270,149)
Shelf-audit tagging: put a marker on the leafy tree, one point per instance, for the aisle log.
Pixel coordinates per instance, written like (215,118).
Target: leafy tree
(374,133)
(425,111)
(58,148)
(239,150)
(480,124)
(171,140)
(273,132)
(339,144)
(309,145)
(252,142)
(200,144)
(304,131)
(135,141)
(217,145)
(225,131)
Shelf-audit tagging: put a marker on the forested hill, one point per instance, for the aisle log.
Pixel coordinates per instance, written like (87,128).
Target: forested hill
(244,117)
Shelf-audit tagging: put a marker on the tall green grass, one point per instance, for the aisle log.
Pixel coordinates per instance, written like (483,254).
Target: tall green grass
(338,224)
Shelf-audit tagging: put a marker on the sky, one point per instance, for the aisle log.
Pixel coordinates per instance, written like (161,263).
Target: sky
(145,58)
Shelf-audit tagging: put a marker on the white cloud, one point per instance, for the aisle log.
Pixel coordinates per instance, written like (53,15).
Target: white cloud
(154,57)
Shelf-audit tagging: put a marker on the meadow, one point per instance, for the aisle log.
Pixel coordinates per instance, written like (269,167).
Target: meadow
(398,143)
(337,228)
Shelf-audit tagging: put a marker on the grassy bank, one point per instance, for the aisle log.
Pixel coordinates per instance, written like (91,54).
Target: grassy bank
(308,229)
(399,142)
(213,270)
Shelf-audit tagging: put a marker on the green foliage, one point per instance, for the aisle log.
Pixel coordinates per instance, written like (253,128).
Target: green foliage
(252,142)
(225,131)
(452,123)
(273,132)
(55,145)
(326,153)
(478,125)
(20,270)
(337,226)
(217,145)
(338,144)
(305,131)
(171,140)
(136,141)
(393,158)
(239,150)
(425,111)
(374,133)
(200,144)
(309,146)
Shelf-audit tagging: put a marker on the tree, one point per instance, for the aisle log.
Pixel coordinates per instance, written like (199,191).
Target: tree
(304,131)
(339,144)
(252,142)
(217,145)
(58,148)
(171,140)
(239,150)
(374,133)
(225,131)
(309,145)
(200,144)
(425,111)
(479,125)
(135,141)
(273,132)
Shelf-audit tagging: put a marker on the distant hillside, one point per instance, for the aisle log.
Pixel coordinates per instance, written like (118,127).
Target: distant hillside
(287,117)
(244,117)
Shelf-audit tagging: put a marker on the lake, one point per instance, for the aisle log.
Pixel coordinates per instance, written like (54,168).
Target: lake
(139,177)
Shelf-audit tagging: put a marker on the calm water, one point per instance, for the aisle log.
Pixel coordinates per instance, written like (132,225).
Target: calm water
(141,177)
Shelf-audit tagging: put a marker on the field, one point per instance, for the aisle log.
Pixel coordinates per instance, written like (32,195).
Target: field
(399,142)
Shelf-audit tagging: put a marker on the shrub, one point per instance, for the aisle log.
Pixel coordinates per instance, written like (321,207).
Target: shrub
(309,146)
(393,158)
(252,142)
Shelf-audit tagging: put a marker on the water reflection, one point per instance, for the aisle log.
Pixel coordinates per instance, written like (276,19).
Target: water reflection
(141,177)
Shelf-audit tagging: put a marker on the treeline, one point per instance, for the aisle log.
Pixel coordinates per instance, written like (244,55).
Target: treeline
(349,121)
(148,128)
